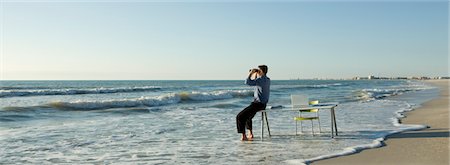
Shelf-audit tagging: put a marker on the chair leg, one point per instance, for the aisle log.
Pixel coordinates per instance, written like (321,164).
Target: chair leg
(312,127)
(301,127)
(296,127)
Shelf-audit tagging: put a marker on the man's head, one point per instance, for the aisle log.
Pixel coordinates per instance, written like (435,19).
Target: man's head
(263,68)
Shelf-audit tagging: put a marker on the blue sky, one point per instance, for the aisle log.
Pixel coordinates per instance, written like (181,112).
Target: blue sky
(208,40)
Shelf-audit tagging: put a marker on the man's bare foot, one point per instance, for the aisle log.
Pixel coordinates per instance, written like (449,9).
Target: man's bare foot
(250,136)
(244,137)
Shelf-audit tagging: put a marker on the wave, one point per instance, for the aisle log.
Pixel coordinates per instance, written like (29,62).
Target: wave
(12,118)
(167,99)
(102,90)
(373,94)
(21,88)
(312,86)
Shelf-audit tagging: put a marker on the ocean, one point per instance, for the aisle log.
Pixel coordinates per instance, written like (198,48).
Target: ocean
(192,122)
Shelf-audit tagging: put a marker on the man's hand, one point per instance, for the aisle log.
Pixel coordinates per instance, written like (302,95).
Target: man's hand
(250,74)
(253,74)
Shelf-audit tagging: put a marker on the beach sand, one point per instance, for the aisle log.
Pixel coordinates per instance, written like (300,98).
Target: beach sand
(428,146)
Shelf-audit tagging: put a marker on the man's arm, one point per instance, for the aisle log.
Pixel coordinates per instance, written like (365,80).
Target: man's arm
(249,81)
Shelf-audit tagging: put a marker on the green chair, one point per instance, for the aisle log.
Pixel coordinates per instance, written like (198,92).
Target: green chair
(299,101)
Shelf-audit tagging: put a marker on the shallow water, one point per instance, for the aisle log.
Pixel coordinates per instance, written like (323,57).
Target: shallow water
(191,122)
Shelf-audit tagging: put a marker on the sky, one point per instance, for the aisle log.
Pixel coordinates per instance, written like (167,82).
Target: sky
(209,40)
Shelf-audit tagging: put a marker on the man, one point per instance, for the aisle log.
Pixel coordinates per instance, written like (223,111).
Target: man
(261,97)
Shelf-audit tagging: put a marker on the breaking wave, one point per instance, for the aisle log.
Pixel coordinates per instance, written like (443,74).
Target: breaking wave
(22,88)
(151,101)
(39,92)
(373,94)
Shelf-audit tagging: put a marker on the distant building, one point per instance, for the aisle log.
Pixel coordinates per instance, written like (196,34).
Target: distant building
(419,78)
(371,77)
(442,78)
(359,78)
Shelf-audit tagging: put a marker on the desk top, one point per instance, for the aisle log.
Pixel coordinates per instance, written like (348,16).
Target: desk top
(315,106)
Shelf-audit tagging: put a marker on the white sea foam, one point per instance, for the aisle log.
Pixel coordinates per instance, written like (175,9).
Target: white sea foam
(328,85)
(351,150)
(22,87)
(377,93)
(309,86)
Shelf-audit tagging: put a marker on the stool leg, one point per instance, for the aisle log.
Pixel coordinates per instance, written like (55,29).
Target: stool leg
(267,122)
(262,126)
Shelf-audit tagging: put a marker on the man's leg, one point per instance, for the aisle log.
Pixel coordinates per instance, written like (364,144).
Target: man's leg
(241,120)
(254,109)
(248,125)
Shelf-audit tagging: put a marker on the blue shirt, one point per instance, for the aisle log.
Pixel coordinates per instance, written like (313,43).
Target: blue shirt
(262,88)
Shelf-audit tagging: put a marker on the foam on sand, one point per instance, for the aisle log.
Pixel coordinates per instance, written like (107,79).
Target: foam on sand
(375,143)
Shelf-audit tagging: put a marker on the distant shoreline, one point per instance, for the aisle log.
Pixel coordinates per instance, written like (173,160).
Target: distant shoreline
(236,79)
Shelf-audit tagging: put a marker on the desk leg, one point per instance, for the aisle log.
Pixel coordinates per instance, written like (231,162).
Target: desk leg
(334,120)
(267,122)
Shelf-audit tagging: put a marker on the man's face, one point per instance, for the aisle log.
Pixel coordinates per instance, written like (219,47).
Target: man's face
(260,72)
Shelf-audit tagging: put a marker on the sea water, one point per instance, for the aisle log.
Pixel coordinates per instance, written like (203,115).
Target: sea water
(192,122)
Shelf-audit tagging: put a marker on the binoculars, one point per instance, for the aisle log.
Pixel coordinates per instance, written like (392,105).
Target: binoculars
(253,70)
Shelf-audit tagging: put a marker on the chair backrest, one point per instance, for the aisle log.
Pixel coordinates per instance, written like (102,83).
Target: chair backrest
(314,102)
(299,101)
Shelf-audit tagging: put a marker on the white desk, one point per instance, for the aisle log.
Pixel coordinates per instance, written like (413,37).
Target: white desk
(330,106)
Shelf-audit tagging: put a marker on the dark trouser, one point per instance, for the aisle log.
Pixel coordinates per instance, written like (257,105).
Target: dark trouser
(244,118)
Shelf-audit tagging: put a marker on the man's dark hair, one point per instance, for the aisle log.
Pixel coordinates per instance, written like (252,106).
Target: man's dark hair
(263,68)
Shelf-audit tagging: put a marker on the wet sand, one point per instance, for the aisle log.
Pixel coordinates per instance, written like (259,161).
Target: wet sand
(427,146)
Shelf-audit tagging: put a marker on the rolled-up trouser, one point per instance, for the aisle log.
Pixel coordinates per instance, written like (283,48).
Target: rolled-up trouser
(244,118)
